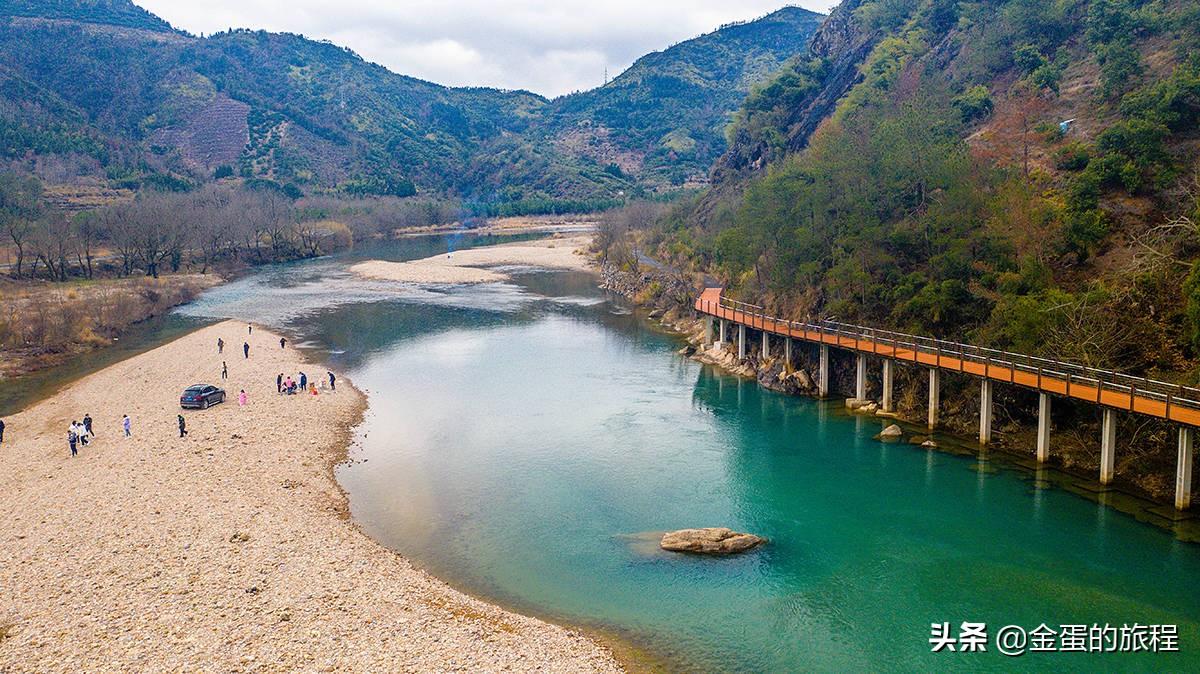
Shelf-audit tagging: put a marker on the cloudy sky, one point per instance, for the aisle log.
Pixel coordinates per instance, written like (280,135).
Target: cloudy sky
(551,47)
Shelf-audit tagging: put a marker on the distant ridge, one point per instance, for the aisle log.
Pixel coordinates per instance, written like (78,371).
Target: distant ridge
(105,12)
(128,109)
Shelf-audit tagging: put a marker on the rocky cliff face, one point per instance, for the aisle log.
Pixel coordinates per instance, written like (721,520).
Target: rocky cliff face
(843,45)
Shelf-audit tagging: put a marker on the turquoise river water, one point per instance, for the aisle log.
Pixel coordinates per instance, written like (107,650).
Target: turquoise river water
(523,438)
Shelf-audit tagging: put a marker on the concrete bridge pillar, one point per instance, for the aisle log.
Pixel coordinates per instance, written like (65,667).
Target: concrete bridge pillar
(823,372)
(708,331)
(1108,445)
(787,352)
(1183,469)
(724,332)
(766,345)
(741,341)
(887,384)
(985,412)
(935,396)
(860,378)
(1043,431)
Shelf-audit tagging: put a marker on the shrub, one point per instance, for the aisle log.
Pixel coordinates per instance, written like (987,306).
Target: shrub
(1119,63)
(1072,157)
(974,103)
(1084,231)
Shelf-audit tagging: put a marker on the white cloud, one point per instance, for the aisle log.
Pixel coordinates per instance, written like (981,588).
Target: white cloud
(548,46)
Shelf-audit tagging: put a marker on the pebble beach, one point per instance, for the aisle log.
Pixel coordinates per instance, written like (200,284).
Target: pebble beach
(469,265)
(229,550)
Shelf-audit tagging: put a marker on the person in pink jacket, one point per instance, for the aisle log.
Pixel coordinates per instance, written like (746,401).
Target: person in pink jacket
(242,398)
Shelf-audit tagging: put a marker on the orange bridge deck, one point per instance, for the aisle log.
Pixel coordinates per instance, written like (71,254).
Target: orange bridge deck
(1110,389)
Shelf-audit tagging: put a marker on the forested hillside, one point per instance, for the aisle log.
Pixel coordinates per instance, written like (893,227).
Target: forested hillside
(664,118)
(134,104)
(1022,174)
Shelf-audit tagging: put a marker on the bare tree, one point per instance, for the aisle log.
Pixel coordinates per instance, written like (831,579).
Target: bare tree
(53,242)
(20,206)
(89,230)
(123,234)
(211,219)
(1174,242)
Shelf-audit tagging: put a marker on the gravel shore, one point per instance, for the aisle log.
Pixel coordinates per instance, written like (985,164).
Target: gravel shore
(467,265)
(228,550)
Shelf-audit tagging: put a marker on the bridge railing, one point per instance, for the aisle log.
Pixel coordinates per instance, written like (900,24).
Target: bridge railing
(871,339)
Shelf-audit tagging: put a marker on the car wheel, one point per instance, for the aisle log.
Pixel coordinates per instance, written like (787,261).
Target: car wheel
(204,404)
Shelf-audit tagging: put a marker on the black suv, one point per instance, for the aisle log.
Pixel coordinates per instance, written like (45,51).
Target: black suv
(201,396)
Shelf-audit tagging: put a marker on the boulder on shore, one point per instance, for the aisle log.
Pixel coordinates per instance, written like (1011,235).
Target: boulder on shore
(710,541)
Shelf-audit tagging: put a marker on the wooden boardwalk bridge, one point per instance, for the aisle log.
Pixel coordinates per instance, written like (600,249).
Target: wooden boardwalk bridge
(1111,391)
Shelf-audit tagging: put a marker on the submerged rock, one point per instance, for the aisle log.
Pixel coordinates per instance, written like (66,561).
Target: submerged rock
(891,433)
(710,541)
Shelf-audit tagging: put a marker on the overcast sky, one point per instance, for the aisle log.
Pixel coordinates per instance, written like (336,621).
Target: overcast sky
(552,47)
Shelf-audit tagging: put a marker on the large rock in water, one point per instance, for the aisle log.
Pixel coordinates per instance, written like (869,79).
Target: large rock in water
(710,541)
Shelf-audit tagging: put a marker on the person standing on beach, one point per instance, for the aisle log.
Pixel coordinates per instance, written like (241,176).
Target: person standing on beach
(126,425)
(224,370)
(182,426)
(242,398)
(220,346)
(249,329)
(303,382)
(72,438)
(279,383)
(282,342)
(87,424)
(1,431)
(332,380)
(246,349)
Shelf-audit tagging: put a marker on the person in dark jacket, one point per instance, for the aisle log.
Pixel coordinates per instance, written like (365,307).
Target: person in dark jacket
(87,424)
(246,349)
(220,346)
(282,342)
(332,380)
(72,439)
(303,382)
(279,383)
(182,426)
(1,431)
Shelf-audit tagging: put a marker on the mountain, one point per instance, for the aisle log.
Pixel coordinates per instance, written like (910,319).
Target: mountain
(1019,174)
(666,115)
(136,103)
(146,101)
(1015,174)
(100,12)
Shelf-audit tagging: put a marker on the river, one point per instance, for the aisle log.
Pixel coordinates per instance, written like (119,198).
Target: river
(523,437)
